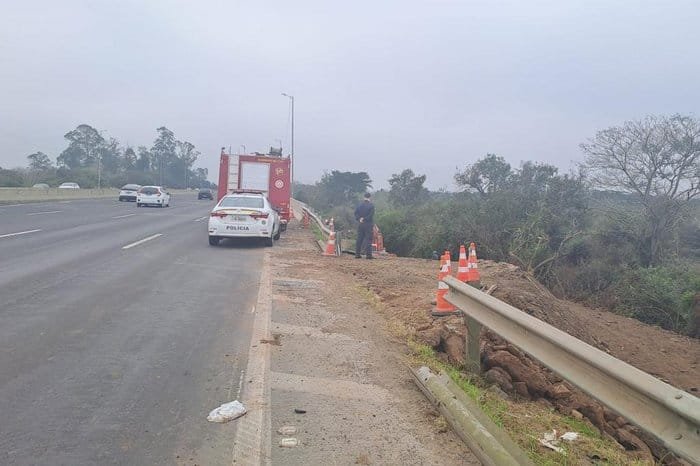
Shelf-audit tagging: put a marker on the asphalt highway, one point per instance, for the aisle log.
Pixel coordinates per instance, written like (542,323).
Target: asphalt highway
(120,329)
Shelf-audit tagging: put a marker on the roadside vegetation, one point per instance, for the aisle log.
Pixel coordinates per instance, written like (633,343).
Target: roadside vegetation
(91,160)
(622,232)
(527,421)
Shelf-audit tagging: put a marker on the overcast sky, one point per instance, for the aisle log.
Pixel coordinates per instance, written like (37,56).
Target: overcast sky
(379,86)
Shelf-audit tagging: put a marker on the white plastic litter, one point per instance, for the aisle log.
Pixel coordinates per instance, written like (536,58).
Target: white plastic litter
(227,411)
(549,440)
(569,436)
(289,442)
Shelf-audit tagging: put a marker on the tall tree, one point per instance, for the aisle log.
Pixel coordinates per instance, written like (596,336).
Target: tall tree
(186,157)
(487,175)
(110,155)
(84,144)
(657,161)
(145,160)
(407,188)
(342,188)
(163,151)
(39,161)
(129,159)
(187,153)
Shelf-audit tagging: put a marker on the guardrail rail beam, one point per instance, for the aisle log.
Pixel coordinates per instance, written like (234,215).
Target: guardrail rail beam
(670,414)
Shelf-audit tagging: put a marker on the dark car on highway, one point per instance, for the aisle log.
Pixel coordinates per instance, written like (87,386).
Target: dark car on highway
(205,193)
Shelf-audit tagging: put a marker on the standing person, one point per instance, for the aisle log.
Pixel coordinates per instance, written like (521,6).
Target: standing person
(364,213)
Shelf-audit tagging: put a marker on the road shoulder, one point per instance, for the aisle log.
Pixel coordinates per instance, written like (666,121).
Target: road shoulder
(338,380)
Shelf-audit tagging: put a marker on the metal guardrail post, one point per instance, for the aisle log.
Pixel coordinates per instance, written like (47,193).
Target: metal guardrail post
(670,414)
(473,348)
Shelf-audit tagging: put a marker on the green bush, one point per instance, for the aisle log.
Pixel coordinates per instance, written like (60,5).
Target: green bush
(399,234)
(11,178)
(658,295)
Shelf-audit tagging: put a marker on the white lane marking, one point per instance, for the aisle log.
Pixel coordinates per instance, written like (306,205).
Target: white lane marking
(129,246)
(65,202)
(18,233)
(240,385)
(12,205)
(200,219)
(124,216)
(46,212)
(252,311)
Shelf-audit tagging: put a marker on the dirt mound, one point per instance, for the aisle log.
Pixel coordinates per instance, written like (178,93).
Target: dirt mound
(406,288)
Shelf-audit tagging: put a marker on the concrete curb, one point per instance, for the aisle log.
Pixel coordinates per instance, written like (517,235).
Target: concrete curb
(251,444)
(489,443)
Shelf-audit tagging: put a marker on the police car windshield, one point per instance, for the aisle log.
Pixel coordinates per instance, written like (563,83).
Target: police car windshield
(242,201)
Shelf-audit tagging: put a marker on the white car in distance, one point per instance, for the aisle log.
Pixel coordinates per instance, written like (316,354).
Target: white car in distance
(129,192)
(69,186)
(152,195)
(244,214)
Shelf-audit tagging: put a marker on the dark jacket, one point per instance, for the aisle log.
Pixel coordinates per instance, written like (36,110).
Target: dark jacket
(365,210)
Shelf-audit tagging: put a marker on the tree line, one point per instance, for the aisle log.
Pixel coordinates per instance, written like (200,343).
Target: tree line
(93,161)
(621,232)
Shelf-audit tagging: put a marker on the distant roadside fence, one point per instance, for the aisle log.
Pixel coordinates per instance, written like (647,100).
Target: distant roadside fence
(14,195)
(8,195)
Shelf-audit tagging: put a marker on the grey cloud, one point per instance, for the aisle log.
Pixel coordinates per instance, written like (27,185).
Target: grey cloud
(379,86)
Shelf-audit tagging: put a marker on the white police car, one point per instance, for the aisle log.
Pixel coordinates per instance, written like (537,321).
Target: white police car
(244,214)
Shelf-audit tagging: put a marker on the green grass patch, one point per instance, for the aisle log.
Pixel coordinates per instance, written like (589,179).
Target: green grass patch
(493,406)
(527,421)
(316,230)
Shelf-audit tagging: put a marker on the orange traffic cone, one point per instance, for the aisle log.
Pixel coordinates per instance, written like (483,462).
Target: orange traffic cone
(473,276)
(330,245)
(442,307)
(463,266)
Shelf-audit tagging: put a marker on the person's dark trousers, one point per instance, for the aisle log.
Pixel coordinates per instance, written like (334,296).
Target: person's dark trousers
(363,245)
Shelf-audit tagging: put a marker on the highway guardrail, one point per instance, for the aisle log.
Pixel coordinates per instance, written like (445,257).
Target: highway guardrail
(321,225)
(668,413)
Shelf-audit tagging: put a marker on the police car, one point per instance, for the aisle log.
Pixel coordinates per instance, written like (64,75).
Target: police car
(244,214)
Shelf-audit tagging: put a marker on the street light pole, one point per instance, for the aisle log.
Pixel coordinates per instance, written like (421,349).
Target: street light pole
(291,177)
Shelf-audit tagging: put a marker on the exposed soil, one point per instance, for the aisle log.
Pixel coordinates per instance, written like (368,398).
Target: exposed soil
(407,286)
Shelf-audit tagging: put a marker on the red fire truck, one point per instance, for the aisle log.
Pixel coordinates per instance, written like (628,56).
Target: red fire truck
(267,173)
